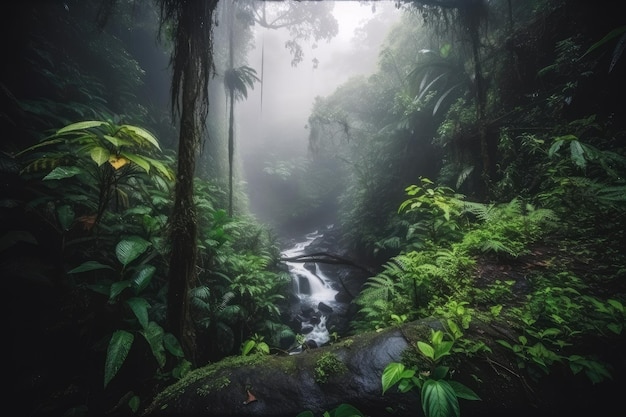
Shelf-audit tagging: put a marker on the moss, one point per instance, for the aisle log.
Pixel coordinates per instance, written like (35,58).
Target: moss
(328,365)
(176,389)
(217,383)
(347,343)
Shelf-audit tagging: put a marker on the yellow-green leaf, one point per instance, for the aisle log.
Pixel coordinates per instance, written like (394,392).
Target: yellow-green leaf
(100,155)
(80,126)
(144,134)
(138,160)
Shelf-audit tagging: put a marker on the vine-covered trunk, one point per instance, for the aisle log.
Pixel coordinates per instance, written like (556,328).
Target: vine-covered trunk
(183,256)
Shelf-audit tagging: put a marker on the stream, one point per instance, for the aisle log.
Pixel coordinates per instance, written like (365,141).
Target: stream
(315,293)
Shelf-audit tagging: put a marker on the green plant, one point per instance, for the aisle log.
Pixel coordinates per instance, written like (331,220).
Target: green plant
(506,228)
(255,345)
(551,323)
(104,161)
(436,210)
(439,394)
(124,285)
(327,365)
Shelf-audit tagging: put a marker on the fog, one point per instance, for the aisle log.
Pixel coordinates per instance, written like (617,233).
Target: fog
(272,120)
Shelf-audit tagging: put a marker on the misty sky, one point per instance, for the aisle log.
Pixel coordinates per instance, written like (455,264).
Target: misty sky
(288,92)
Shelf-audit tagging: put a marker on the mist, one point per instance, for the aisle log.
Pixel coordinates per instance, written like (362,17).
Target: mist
(272,121)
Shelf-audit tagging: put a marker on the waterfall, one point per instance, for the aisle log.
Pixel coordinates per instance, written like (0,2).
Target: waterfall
(313,289)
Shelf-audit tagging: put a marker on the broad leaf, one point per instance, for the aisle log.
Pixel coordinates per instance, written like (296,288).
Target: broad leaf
(346,410)
(439,399)
(463,391)
(578,153)
(65,214)
(426,349)
(118,349)
(154,336)
(391,375)
(100,155)
(80,126)
(143,134)
(172,345)
(59,173)
(130,249)
(144,164)
(117,288)
(89,266)
(142,278)
(139,306)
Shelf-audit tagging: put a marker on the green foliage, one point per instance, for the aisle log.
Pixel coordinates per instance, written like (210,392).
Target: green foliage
(439,394)
(327,365)
(239,79)
(412,285)
(618,49)
(506,229)
(255,345)
(436,209)
(554,318)
(100,165)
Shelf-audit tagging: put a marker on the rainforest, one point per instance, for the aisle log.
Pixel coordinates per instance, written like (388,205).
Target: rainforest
(313,208)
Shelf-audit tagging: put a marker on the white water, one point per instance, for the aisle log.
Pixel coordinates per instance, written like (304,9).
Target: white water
(311,287)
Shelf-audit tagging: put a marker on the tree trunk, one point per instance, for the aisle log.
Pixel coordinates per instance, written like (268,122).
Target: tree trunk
(231,116)
(182,270)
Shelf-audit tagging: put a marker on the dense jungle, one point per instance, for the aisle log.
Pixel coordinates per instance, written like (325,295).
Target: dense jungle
(469,199)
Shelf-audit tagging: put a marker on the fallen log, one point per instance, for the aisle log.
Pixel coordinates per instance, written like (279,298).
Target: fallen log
(285,385)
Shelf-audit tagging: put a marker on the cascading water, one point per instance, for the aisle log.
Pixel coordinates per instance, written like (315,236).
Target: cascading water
(314,291)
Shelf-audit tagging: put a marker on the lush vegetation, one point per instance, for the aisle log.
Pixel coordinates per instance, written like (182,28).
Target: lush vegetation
(480,170)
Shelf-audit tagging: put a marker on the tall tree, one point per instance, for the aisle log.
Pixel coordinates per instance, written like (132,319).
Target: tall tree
(191,23)
(236,81)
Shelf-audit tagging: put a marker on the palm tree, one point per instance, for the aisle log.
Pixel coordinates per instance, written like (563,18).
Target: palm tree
(236,81)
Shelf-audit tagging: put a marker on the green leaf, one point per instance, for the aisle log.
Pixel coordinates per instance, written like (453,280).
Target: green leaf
(154,336)
(130,249)
(463,391)
(247,346)
(143,134)
(609,36)
(134,403)
(117,288)
(100,155)
(144,164)
(578,154)
(117,142)
(59,173)
(172,345)
(346,410)
(616,304)
(117,351)
(89,266)
(142,278)
(80,126)
(440,372)
(391,375)
(439,399)
(139,306)
(426,349)
(65,214)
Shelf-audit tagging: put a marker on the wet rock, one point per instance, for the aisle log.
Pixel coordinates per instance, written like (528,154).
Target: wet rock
(324,308)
